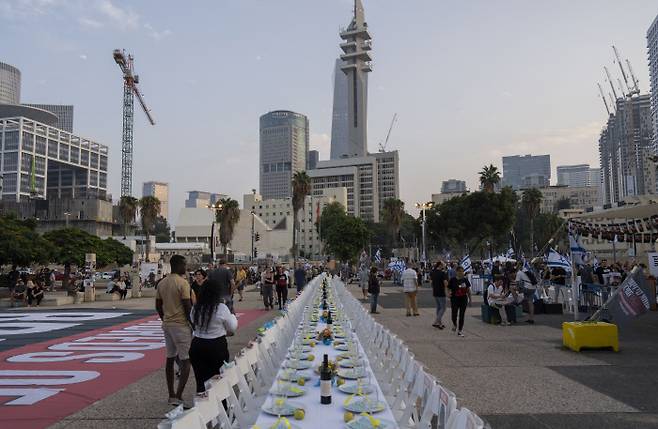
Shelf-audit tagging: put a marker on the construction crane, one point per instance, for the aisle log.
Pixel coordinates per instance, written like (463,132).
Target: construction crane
(612,85)
(130,90)
(603,98)
(636,83)
(382,145)
(623,73)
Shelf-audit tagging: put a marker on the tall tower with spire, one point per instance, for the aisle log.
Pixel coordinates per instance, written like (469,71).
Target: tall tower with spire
(356,66)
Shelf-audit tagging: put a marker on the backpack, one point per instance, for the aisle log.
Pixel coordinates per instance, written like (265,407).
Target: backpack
(531,277)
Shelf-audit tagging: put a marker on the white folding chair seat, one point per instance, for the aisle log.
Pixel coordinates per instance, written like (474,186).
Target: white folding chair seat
(189,419)
(218,390)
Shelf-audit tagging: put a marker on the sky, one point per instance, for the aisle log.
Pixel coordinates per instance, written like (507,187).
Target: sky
(470,80)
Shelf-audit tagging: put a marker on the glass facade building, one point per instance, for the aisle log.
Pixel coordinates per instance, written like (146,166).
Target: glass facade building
(41,161)
(10,84)
(64,114)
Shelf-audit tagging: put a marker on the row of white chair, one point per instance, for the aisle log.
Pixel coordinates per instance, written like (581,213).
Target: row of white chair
(417,398)
(233,399)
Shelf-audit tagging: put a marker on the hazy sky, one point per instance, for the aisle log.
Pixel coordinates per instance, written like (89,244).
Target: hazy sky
(470,80)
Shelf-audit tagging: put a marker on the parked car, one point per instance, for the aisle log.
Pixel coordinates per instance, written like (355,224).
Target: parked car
(107,275)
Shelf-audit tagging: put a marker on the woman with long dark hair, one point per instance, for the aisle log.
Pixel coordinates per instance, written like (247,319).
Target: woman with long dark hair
(212,321)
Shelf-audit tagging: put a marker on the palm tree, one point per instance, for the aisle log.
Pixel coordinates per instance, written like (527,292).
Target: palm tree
(531,201)
(227,218)
(392,212)
(301,187)
(127,209)
(149,209)
(489,177)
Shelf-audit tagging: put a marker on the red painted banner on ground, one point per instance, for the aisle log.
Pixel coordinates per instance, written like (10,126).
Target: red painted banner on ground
(42,383)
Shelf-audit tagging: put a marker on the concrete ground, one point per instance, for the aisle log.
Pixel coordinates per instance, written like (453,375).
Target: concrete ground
(144,404)
(521,376)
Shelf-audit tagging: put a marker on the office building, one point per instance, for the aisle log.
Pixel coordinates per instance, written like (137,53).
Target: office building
(64,114)
(313,158)
(453,186)
(624,148)
(580,175)
(10,84)
(340,114)
(356,66)
(202,199)
(278,214)
(159,190)
(40,161)
(517,168)
(652,45)
(369,180)
(580,197)
(284,139)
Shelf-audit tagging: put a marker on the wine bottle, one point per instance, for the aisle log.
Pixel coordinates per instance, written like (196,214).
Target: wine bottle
(329,321)
(325,381)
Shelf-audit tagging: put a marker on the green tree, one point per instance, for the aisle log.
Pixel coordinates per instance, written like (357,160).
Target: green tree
(161,230)
(392,213)
(227,218)
(531,202)
(331,214)
(149,208)
(20,244)
(128,210)
(489,177)
(301,187)
(344,236)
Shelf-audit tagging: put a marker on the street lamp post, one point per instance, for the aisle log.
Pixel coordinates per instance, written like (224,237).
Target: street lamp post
(253,216)
(217,207)
(423,207)
(67,214)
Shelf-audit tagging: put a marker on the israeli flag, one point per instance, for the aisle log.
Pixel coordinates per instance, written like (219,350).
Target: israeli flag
(398,266)
(378,256)
(465,263)
(526,265)
(577,250)
(510,253)
(556,260)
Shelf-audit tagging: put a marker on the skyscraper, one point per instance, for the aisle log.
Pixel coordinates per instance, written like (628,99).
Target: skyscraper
(64,114)
(652,44)
(340,116)
(526,171)
(356,66)
(10,84)
(313,158)
(284,138)
(159,190)
(578,176)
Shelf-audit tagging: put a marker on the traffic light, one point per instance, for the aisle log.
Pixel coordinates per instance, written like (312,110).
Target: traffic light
(255,253)
(257,237)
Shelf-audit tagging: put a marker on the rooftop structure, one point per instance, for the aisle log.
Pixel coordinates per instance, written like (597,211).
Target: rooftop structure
(202,199)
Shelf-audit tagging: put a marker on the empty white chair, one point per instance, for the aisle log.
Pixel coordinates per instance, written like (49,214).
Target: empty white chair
(189,419)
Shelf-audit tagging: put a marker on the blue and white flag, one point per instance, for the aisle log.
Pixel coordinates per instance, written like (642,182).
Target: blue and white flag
(578,252)
(465,263)
(555,260)
(398,265)
(510,253)
(378,256)
(526,265)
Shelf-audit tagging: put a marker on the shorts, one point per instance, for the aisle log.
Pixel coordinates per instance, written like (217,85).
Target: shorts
(529,293)
(178,339)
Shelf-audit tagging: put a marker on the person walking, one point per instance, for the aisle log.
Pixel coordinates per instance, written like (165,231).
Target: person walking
(200,277)
(439,283)
(528,287)
(213,321)
(300,277)
(173,304)
(222,278)
(410,288)
(373,290)
(281,280)
(240,280)
(460,296)
(267,287)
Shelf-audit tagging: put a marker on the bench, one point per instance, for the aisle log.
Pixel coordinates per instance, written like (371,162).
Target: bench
(56,300)
(148,292)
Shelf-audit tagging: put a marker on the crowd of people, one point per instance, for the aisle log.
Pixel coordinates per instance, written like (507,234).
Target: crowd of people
(29,288)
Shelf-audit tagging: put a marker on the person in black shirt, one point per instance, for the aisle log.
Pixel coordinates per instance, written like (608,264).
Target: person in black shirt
(460,295)
(199,280)
(439,283)
(603,272)
(559,279)
(373,290)
(281,282)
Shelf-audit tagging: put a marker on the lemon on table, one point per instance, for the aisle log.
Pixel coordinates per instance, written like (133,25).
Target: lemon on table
(299,414)
(301,381)
(312,343)
(311,357)
(340,382)
(347,417)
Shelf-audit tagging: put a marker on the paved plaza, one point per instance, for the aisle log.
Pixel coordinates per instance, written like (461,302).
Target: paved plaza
(514,377)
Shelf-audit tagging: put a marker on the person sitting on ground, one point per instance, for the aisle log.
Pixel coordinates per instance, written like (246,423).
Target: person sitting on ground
(34,293)
(497,299)
(18,293)
(213,321)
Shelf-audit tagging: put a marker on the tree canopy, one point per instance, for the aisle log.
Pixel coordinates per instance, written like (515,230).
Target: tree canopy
(71,244)
(344,236)
(20,244)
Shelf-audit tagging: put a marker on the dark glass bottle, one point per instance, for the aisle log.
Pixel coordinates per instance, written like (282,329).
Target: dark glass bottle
(329,320)
(325,382)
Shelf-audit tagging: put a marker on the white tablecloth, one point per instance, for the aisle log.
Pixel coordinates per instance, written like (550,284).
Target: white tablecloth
(320,416)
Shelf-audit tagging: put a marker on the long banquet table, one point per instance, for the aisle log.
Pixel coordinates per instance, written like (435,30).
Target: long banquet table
(327,416)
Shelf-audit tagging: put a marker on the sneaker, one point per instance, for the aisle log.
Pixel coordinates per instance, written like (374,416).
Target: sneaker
(187,404)
(436,325)
(442,327)
(408,314)
(460,334)
(174,401)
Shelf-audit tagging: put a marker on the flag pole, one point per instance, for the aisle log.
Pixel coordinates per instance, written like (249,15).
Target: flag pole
(574,287)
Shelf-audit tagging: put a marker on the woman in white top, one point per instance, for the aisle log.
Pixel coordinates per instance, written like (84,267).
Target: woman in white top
(212,321)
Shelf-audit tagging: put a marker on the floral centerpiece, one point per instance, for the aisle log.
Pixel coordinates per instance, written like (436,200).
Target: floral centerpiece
(333,367)
(325,335)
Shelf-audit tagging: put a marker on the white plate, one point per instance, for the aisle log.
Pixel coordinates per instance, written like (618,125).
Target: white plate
(363,405)
(349,363)
(287,409)
(352,388)
(294,375)
(352,374)
(291,390)
(298,364)
(363,422)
